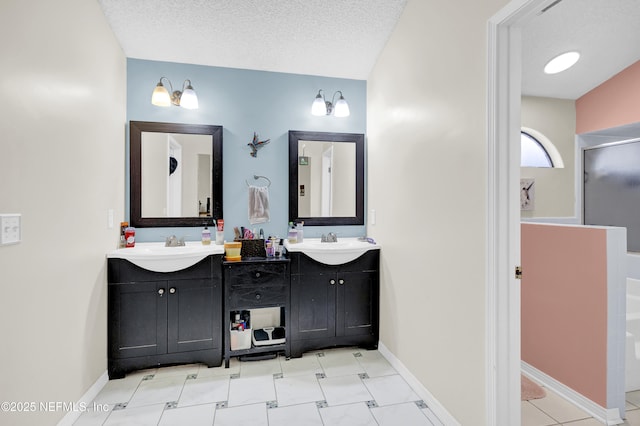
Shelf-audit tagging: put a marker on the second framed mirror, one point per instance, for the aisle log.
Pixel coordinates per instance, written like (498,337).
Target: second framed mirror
(326,178)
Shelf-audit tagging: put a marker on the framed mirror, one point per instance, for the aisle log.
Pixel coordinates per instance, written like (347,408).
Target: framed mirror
(176,174)
(326,178)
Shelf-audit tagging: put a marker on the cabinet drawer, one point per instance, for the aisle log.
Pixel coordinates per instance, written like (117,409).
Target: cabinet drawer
(251,295)
(257,275)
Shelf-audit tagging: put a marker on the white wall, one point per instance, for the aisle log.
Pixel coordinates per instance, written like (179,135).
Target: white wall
(427,163)
(344,179)
(154,149)
(555,187)
(62,144)
(192,146)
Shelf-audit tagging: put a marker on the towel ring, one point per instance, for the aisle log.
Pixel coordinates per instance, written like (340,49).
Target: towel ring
(256,177)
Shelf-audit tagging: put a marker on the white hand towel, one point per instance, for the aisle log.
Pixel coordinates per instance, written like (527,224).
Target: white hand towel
(258,204)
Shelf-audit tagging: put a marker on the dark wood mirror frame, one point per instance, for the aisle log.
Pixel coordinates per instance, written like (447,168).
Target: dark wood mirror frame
(135,139)
(358,140)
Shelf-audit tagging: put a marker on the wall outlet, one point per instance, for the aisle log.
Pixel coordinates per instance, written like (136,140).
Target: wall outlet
(9,229)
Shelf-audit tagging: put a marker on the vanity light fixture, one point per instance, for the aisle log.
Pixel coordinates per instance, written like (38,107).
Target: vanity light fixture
(561,62)
(186,98)
(322,107)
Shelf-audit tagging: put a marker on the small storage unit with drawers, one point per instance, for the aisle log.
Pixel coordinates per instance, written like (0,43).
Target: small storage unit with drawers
(250,285)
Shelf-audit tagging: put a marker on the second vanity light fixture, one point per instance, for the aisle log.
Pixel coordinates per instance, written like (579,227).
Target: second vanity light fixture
(322,107)
(186,98)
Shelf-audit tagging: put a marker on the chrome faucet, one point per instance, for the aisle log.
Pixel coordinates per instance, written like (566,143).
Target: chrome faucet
(173,241)
(330,238)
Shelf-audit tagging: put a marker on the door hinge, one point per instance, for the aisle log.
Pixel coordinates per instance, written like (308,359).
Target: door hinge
(518,272)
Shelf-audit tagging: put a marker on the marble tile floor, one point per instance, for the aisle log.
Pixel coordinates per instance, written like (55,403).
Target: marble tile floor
(346,386)
(554,410)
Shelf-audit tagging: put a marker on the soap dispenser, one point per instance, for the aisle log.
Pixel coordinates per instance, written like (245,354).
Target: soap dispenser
(206,236)
(293,234)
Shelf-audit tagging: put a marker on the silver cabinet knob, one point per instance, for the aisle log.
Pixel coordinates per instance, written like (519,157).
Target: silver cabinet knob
(341,282)
(172,290)
(332,282)
(161,291)
(258,296)
(257,274)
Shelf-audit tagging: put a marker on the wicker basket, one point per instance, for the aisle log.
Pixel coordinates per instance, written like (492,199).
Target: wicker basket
(252,248)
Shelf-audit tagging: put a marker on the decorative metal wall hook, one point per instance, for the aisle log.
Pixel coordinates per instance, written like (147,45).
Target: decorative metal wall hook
(256,144)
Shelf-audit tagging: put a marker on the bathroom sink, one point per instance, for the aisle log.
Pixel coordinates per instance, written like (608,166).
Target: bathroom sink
(158,258)
(343,251)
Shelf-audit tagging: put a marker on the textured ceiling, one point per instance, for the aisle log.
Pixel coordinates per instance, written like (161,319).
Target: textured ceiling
(317,37)
(605,32)
(344,38)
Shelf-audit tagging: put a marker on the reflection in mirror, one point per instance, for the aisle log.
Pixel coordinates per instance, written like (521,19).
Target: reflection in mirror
(326,178)
(176,174)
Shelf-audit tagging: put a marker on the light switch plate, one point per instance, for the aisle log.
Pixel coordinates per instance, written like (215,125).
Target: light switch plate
(9,229)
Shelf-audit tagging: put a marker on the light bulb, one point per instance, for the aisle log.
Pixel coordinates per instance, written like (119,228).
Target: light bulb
(342,108)
(189,99)
(160,96)
(318,107)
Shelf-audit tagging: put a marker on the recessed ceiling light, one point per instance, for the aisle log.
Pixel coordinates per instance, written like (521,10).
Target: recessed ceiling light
(561,62)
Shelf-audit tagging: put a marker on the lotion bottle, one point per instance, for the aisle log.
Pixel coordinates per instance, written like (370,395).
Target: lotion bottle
(206,236)
(292,236)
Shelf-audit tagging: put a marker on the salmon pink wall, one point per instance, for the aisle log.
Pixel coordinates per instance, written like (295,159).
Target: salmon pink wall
(611,104)
(564,306)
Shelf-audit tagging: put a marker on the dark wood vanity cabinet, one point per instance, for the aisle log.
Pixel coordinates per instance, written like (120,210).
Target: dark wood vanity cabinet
(334,305)
(159,318)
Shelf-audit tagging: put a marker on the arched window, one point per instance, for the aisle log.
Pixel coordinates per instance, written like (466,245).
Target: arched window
(536,150)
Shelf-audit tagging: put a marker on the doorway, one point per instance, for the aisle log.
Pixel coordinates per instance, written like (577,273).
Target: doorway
(504,56)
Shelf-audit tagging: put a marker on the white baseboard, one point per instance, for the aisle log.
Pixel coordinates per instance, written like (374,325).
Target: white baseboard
(85,400)
(434,405)
(611,416)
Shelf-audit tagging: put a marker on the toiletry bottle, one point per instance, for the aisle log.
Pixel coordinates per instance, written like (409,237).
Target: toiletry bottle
(219,232)
(130,236)
(206,236)
(292,236)
(299,230)
(123,240)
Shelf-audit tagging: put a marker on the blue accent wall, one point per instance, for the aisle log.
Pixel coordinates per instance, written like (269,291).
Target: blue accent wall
(244,102)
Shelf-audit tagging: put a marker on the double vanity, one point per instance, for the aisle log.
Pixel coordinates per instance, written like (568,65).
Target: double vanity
(175,305)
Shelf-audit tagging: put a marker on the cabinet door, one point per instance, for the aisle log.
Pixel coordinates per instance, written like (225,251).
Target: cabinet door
(137,319)
(194,309)
(357,303)
(313,306)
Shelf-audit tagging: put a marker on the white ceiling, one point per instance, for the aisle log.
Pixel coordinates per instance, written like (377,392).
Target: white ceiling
(344,38)
(330,38)
(605,32)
